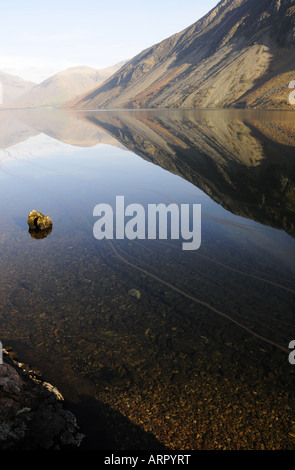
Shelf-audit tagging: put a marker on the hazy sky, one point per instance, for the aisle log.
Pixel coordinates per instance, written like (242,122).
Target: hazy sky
(39,38)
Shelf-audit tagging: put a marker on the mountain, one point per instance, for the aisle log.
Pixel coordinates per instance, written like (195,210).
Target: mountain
(12,87)
(241,54)
(64,86)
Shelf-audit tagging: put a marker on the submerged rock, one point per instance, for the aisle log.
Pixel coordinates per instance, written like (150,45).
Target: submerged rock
(134,293)
(38,221)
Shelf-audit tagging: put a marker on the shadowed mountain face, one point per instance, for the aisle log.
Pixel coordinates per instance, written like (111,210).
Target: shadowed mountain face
(242,160)
(240,54)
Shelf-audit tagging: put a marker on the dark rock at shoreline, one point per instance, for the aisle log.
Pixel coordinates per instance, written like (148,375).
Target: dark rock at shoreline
(32,412)
(38,221)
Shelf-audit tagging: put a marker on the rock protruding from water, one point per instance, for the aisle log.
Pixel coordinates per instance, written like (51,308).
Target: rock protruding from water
(38,221)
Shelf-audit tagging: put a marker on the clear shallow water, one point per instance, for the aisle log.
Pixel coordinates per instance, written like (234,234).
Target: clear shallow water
(191,361)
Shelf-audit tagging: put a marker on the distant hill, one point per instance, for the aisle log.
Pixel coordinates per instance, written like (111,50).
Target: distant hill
(64,86)
(11,88)
(241,54)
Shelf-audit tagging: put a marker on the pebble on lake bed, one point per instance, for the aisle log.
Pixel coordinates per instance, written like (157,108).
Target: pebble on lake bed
(134,293)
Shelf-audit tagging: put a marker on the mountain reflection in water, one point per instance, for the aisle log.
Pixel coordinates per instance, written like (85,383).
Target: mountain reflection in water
(199,358)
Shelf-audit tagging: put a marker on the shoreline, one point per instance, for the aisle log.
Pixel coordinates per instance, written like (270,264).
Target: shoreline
(33,412)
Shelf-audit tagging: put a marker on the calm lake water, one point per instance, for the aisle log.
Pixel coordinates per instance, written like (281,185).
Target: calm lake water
(198,358)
